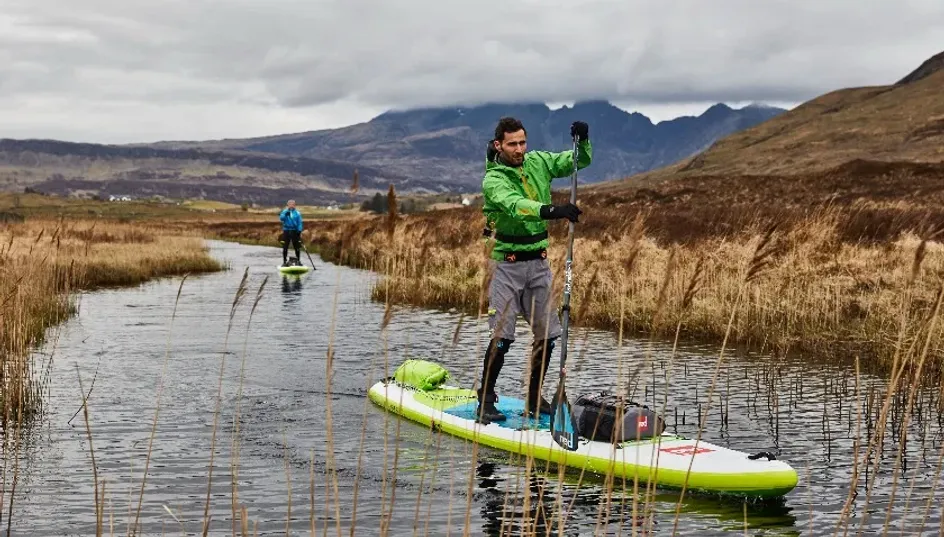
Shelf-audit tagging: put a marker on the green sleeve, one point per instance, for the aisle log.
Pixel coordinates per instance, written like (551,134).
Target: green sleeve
(562,164)
(497,190)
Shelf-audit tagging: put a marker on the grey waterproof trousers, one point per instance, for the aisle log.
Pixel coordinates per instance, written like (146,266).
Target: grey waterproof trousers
(522,288)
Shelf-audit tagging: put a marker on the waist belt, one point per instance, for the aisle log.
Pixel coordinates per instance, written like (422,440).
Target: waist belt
(511,257)
(521,239)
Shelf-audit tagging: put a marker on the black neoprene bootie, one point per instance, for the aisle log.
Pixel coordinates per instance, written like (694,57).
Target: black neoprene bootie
(540,359)
(487,412)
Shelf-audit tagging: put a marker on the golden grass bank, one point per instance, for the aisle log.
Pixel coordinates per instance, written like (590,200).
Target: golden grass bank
(43,262)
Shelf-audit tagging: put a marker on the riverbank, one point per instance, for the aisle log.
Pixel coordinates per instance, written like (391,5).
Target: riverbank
(44,261)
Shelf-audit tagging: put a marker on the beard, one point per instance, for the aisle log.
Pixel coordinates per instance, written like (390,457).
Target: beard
(509,159)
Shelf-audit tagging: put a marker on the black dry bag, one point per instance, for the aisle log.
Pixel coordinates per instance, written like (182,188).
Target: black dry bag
(597,419)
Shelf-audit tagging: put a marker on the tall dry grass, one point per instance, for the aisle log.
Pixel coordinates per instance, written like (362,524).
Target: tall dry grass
(43,262)
(821,294)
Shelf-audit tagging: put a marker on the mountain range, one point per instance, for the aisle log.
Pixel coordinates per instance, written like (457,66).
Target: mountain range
(448,144)
(428,150)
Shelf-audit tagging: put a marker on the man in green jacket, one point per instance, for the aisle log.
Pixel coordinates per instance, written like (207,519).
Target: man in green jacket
(517,192)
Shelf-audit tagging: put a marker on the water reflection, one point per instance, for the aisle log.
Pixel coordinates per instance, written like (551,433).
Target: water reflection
(514,502)
(292,288)
(530,512)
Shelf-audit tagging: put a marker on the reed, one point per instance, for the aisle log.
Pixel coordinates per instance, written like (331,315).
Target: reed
(826,293)
(43,262)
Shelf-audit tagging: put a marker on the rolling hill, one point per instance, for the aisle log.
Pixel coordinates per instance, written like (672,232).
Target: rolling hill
(875,152)
(901,122)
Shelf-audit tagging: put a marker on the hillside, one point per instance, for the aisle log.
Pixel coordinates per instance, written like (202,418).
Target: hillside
(900,122)
(447,144)
(67,168)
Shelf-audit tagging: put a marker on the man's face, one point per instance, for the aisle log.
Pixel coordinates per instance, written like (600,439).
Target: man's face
(513,147)
(291,204)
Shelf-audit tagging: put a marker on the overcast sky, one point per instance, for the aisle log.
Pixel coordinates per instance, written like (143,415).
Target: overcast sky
(136,71)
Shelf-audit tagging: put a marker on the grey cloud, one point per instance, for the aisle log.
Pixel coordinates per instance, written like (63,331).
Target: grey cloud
(298,53)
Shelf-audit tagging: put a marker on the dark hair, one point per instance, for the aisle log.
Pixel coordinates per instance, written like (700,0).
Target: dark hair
(508,125)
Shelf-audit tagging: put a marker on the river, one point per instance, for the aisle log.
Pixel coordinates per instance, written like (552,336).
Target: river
(274,378)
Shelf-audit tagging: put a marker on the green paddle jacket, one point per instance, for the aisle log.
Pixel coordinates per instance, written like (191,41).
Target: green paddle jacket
(514,196)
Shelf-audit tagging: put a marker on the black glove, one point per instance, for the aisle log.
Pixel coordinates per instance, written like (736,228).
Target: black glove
(555,212)
(490,151)
(579,129)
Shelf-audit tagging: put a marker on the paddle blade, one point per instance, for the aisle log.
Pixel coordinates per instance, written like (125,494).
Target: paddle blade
(563,423)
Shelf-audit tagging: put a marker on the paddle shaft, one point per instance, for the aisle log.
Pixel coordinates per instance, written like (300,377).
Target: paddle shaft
(302,242)
(563,426)
(568,272)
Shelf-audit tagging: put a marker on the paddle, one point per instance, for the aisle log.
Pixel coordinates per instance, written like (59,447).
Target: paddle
(563,423)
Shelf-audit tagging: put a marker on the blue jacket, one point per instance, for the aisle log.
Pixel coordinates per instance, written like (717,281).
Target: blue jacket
(291,219)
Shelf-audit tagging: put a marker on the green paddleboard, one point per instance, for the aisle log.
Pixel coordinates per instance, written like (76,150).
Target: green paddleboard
(669,460)
(297,269)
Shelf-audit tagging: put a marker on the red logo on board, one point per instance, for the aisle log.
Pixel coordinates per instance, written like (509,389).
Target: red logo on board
(686,450)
